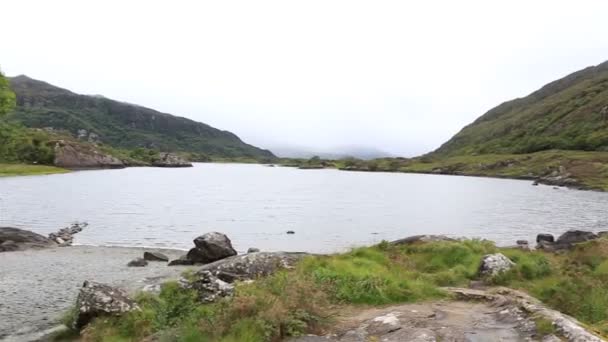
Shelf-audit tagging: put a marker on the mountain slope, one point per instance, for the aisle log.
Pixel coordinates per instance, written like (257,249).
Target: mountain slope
(121,124)
(569,114)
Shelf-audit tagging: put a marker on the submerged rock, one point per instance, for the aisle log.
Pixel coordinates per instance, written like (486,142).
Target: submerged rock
(211,247)
(155,256)
(137,262)
(253,250)
(96,299)
(494,264)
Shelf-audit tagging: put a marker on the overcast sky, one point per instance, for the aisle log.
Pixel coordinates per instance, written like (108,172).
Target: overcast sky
(399,76)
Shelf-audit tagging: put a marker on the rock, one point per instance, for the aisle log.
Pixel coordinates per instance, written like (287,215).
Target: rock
(522,242)
(290,232)
(137,262)
(545,237)
(211,247)
(421,238)
(170,160)
(65,236)
(253,250)
(494,264)
(210,288)
(155,256)
(602,234)
(572,237)
(535,183)
(72,155)
(13,239)
(8,246)
(211,279)
(95,299)
(182,261)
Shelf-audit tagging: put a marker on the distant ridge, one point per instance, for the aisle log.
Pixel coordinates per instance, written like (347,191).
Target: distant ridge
(569,114)
(120,124)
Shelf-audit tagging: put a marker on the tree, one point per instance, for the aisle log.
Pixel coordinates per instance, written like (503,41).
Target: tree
(7,97)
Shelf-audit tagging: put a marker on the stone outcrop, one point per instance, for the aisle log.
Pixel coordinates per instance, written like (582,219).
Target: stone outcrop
(211,247)
(494,264)
(559,177)
(95,299)
(567,327)
(71,155)
(14,239)
(181,261)
(65,236)
(170,160)
(421,238)
(155,256)
(564,241)
(215,280)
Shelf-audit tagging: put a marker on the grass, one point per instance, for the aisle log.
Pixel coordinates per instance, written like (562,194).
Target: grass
(28,170)
(305,299)
(302,300)
(590,169)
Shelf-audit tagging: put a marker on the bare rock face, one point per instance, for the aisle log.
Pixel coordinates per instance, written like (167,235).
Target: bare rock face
(13,239)
(72,155)
(214,280)
(494,264)
(211,247)
(95,299)
(171,160)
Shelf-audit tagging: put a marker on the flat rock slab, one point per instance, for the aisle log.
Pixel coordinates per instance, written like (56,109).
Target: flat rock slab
(434,321)
(38,286)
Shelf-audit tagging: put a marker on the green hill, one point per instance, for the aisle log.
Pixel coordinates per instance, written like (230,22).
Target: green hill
(568,114)
(119,124)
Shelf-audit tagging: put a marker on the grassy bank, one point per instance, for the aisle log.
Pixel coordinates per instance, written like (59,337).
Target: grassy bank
(308,298)
(590,169)
(28,170)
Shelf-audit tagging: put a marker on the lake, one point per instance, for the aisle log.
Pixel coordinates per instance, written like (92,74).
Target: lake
(255,205)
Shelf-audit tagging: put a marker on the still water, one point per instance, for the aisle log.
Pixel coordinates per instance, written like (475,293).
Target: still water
(255,205)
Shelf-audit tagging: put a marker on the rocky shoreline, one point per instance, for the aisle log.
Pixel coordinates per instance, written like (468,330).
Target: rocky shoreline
(109,279)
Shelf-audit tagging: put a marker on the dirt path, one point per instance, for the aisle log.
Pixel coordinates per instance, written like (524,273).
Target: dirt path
(435,321)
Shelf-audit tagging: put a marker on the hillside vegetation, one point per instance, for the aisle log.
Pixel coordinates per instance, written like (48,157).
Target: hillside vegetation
(119,124)
(568,114)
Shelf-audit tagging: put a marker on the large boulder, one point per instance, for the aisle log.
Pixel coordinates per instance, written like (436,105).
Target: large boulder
(211,247)
(155,256)
(12,239)
(494,264)
(572,237)
(95,299)
(213,280)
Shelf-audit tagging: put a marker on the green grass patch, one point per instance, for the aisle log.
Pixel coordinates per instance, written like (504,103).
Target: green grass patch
(28,170)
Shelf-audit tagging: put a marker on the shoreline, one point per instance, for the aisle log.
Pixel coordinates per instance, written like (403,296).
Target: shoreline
(39,286)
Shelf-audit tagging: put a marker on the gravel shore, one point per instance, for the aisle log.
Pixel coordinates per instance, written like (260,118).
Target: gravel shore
(38,286)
